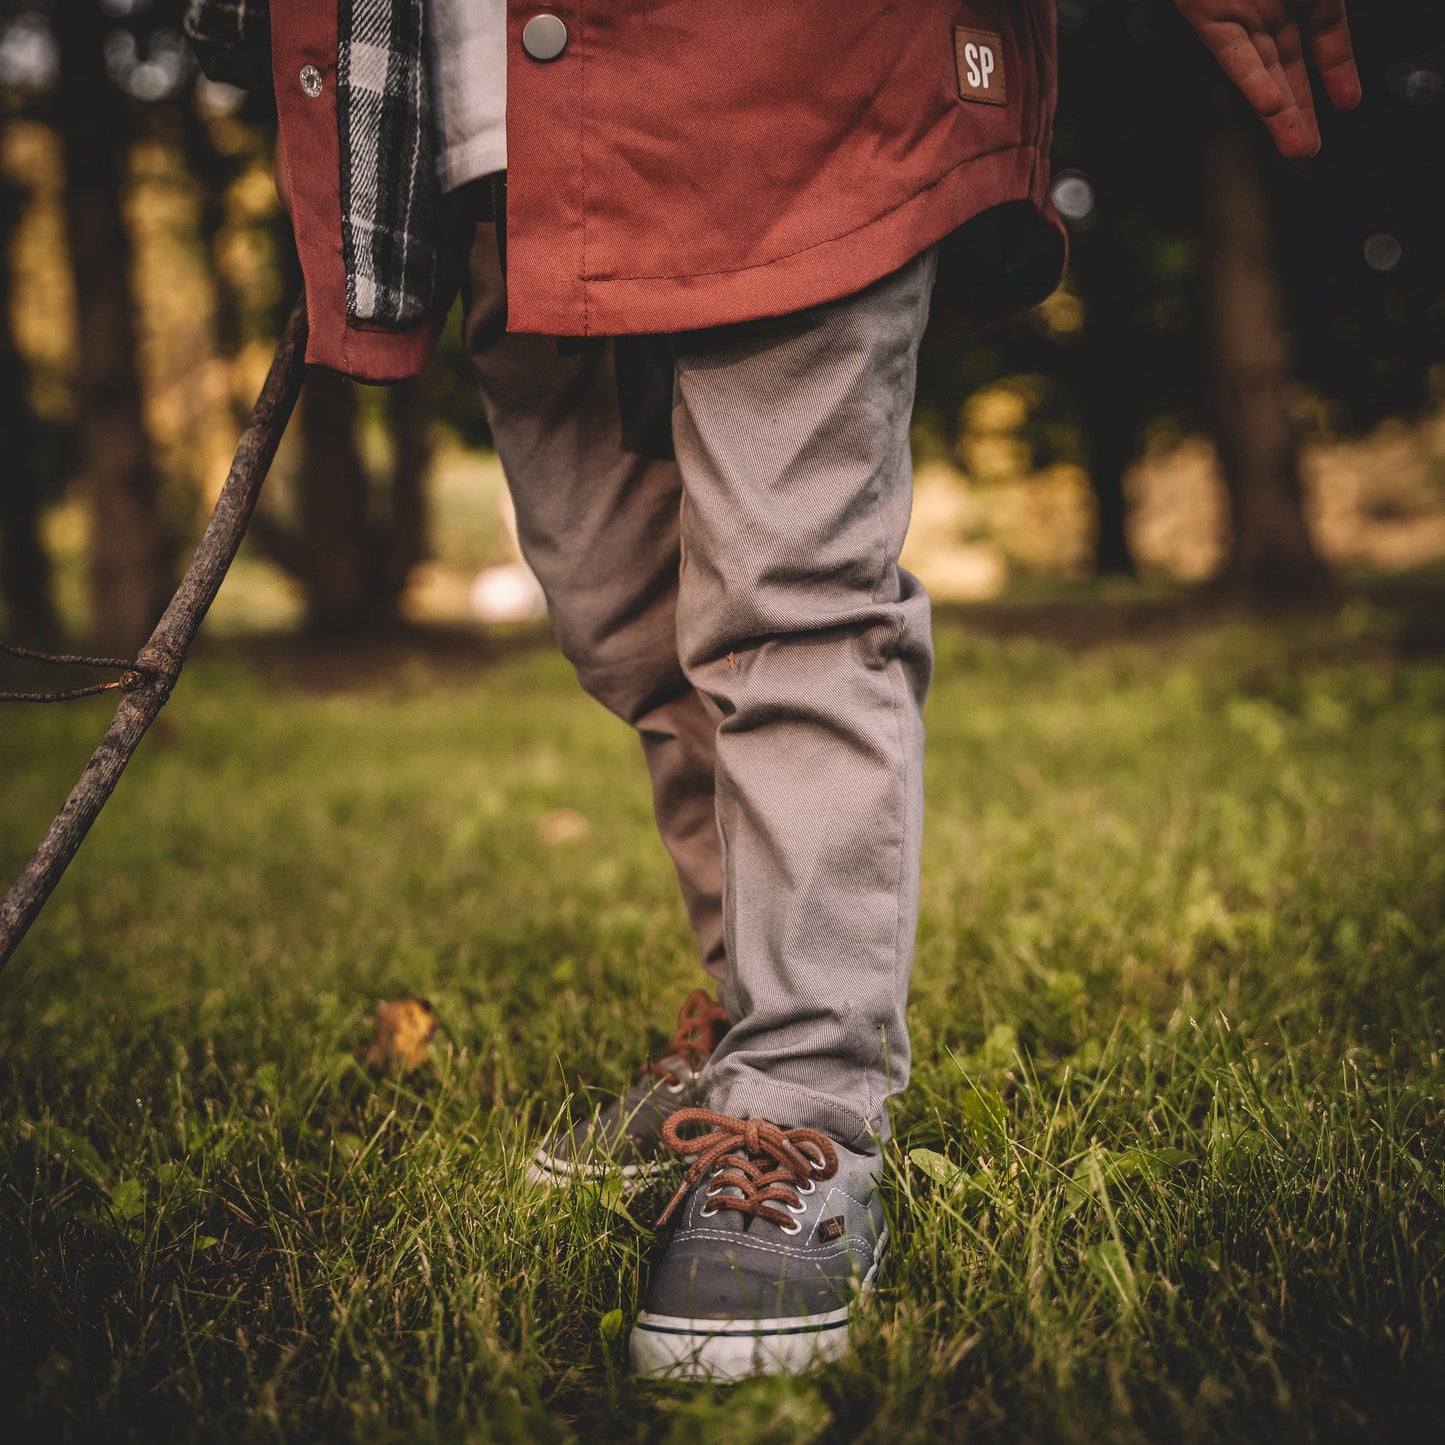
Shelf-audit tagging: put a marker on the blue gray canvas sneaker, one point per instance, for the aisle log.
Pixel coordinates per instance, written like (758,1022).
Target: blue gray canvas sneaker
(780,1230)
(625,1136)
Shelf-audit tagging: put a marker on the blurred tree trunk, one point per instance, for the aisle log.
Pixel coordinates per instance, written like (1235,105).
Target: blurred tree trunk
(215,172)
(354,542)
(1101,367)
(24,565)
(404,540)
(1110,452)
(354,550)
(130,550)
(332,546)
(1273,555)
(354,538)
(1104,362)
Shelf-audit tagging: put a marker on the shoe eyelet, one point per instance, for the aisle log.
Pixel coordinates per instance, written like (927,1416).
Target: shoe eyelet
(809,1188)
(795,1228)
(674,1089)
(796,1208)
(707,1211)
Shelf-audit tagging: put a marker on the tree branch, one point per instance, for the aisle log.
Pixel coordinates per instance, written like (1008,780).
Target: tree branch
(165,653)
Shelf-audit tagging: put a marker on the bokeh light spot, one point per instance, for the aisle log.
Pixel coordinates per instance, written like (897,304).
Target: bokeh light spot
(1074,197)
(1383,252)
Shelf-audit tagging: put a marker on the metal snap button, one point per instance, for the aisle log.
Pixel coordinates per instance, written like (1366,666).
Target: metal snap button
(544,37)
(311,81)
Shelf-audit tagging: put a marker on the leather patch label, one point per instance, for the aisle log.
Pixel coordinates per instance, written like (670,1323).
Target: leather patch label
(831,1228)
(979,57)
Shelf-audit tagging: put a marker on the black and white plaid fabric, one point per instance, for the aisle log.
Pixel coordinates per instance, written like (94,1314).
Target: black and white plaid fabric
(383,106)
(388,180)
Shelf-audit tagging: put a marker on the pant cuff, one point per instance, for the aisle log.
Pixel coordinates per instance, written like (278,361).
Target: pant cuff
(749,1093)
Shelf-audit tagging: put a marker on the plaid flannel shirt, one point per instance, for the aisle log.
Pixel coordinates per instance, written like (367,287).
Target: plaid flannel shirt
(388,180)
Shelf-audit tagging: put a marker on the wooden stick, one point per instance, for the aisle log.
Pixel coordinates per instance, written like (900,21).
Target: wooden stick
(160,661)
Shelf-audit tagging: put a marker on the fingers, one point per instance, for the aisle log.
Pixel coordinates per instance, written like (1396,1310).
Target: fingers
(1272,83)
(1262,50)
(1242,63)
(1295,129)
(1290,57)
(1329,32)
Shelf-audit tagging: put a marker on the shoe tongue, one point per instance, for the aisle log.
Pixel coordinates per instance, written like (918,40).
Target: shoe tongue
(736,1220)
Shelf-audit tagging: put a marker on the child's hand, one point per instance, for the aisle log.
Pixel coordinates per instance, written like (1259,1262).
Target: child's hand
(1261,46)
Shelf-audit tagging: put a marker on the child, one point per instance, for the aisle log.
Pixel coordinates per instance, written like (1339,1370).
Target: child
(734,217)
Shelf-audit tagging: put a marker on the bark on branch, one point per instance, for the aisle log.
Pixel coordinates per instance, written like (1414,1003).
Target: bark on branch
(165,653)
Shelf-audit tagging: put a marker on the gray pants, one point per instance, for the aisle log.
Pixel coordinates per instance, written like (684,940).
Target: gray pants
(744,610)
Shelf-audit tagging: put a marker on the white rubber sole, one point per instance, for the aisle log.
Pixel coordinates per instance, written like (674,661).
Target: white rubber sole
(673,1347)
(552,1173)
(668,1347)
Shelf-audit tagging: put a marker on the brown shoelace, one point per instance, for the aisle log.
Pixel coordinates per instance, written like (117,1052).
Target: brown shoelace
(701,1023)
(768,1166)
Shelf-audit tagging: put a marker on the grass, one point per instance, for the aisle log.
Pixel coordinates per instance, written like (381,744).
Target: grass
(1171,1166)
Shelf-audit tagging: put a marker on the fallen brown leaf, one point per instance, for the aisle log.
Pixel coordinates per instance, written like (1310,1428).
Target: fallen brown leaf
(403,1032)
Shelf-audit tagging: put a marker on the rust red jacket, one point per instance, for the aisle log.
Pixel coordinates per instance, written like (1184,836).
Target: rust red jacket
(687,163)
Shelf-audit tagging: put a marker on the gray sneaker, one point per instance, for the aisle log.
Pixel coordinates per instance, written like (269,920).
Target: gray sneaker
(625,1137)
(781,1229)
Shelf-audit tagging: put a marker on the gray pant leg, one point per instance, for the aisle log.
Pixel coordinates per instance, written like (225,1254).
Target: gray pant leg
(812,648)
(599,527)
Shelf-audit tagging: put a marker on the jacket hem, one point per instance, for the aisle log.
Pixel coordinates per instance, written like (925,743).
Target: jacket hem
(813,276)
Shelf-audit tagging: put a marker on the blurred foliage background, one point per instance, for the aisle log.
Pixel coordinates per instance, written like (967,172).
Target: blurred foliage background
(1241,384)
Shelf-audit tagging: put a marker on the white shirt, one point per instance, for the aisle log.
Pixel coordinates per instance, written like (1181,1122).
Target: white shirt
(467,55)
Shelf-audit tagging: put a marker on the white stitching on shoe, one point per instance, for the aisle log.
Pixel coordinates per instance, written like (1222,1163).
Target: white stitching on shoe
(861,1203)
(738,1241)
